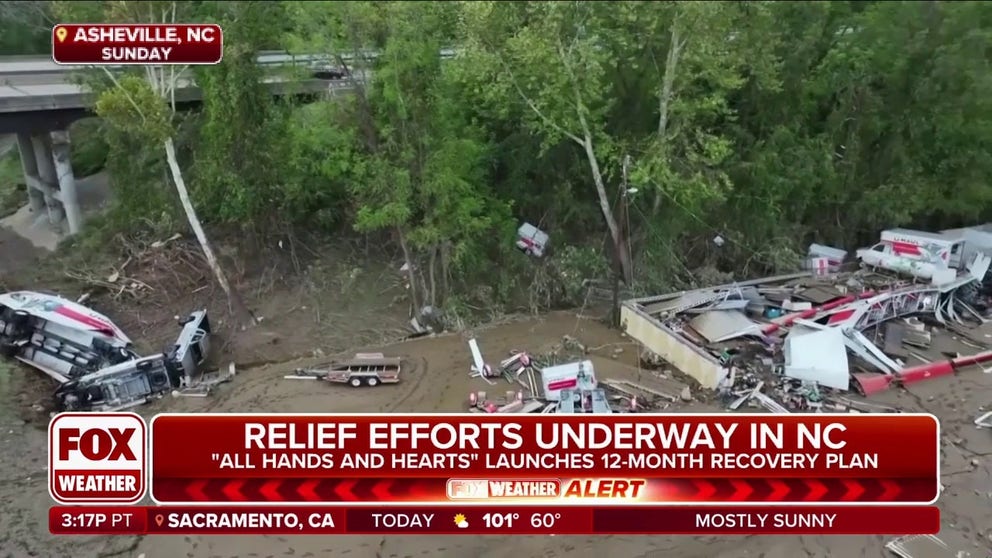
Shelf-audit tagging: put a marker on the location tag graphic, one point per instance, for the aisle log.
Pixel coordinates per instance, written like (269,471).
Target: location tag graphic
(60,33)
(159,519)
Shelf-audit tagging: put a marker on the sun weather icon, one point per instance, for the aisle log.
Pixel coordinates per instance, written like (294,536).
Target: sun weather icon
(460,521)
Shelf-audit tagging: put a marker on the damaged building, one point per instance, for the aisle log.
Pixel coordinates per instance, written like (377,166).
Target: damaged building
(834,327)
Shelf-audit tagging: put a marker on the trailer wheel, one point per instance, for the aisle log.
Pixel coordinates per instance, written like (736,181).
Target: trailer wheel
(372,382)
(355,382)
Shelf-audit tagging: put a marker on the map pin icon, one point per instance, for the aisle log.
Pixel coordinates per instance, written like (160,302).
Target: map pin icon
(159,519)
(60,33)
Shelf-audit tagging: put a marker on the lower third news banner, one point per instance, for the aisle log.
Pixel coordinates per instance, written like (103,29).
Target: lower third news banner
(494,520)
(555,460)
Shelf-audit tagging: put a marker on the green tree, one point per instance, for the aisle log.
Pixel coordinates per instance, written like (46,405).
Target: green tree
(545,55)
(144,107)
(241,156)
(586,76)
(25,27)
(878,123)
(417,166)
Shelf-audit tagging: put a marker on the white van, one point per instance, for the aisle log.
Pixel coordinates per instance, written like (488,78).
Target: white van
(922,265)
(920,245)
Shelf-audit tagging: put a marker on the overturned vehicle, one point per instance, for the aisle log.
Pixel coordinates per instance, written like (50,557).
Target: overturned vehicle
(90,358)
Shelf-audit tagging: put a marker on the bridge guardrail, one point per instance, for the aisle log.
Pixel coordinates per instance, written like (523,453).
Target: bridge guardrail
(20,65)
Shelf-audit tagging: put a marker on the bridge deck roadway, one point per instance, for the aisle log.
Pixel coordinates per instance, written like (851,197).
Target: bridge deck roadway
(39,63)
(62,96)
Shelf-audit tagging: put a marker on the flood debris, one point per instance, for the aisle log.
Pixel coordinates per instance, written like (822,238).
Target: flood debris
(817,355)
(923,546)
(823,260)
(562,381)
(205,383)
(531,240)
(800,342)
(91,360)
(511,402)
(427,321)
(479,367)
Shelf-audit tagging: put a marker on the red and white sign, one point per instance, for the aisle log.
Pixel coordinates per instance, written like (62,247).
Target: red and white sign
(124,44)
(96,458)
(821,266)
(616,459)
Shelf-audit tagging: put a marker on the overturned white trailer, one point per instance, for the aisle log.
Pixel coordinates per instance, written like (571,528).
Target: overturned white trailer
(91,359)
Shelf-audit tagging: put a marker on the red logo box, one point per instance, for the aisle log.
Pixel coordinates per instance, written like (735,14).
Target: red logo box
(137,43)
(97,458)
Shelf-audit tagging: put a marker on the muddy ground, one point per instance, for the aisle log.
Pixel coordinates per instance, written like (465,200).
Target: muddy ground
(323,310)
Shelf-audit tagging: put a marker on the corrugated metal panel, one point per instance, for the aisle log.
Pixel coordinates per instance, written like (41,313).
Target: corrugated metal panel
(723,325)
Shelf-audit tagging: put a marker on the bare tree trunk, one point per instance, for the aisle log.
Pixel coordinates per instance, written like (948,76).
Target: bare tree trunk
(445,271)
(666,94)
(597,175)
(237,305)
(668,80)
(432,276)
(604,205)
(586,142)
(604,200)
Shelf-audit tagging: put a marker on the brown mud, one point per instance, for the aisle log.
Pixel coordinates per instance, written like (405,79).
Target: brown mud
(325,311)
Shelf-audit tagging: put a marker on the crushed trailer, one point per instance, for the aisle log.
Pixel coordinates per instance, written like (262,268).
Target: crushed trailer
(91,359)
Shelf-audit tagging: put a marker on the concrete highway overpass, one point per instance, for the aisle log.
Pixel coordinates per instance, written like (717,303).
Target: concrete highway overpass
(38,95)
(40,99)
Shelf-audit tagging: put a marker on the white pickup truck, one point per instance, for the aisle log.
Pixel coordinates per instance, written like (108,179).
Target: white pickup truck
(922,265)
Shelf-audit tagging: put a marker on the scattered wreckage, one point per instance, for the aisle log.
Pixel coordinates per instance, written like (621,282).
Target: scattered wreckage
(531,240)
(91,359)
(364,369)
(549,387)
(926,546)
(812,336)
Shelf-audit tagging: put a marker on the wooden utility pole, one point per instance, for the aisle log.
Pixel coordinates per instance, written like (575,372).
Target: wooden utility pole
(621,272)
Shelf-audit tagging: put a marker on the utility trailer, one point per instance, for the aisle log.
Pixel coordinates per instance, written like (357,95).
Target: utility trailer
(364,369)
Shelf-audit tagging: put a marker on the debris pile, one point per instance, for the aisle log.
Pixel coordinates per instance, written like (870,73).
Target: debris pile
(162,270)
(924,546)
(562,381)
(205,383)
(800,342)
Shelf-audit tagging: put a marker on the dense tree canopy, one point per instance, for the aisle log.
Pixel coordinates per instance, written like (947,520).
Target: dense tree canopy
(634,132)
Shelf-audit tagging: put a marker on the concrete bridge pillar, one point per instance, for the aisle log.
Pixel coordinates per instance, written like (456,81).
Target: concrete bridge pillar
(48,174)
(36,199)
(47,179)
(66,180)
